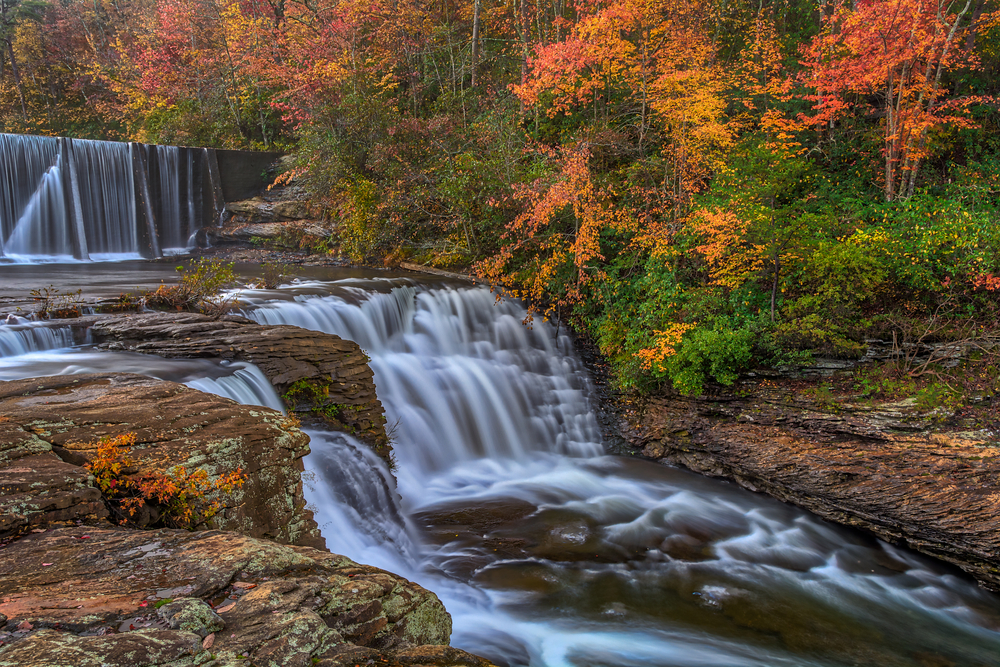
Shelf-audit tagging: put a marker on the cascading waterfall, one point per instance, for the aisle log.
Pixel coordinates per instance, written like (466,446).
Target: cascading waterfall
(24,162)
(26,337)
(63,199)
(37,350)
(462,375)
(548,553)
(42,227)
(173,234)
(107,190)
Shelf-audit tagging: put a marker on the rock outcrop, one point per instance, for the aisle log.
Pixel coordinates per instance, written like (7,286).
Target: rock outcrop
(95,596)
(51,426)
(318,375)
(886,469)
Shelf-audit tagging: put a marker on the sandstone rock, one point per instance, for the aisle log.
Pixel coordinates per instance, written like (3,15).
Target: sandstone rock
(883,468)
(149,648)
(191,615)
(319,375)
(308,607)
(174,425)
(37,487)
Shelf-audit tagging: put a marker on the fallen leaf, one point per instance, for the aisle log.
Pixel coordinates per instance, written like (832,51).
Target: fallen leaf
(208,641)
(243,584)
(223,610)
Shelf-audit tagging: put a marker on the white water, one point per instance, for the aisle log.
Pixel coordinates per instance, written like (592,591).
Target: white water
(36,195)
(21,337)
(47,356)
(588,559)
(547,552)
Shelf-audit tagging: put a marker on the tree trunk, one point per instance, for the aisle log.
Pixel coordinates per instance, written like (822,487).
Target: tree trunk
(475,41)
(524,48)
(17,77)
(774,285)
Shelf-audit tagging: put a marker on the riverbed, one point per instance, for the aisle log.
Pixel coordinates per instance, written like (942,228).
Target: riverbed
(545,550)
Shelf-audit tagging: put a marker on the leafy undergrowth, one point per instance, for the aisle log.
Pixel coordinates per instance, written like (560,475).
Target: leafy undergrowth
(177,499)
(199,289)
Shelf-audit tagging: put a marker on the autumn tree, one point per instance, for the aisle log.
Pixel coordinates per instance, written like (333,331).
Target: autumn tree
(897,52)
(14,13)
(552,250)
(655,61)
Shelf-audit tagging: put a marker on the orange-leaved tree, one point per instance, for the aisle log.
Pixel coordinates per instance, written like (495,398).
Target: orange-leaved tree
(651,64)
(898,52)
(552,249)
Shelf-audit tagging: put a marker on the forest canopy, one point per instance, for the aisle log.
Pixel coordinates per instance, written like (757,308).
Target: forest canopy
(702,186)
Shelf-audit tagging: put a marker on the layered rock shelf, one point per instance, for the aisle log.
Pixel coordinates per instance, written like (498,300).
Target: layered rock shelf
(251,589)
(121,598)
(51,427)
(318,375)
(887,469)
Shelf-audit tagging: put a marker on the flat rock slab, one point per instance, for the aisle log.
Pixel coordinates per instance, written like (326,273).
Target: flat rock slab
(51,427)
(883,469)
(316,373)
(89,596)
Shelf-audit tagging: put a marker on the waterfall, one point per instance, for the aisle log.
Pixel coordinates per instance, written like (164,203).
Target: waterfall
(464,378)
(546,552)
(549,554)
(65,199)
(49,353)
(19,339)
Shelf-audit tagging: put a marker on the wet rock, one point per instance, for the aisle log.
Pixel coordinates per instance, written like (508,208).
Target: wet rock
(318,375)
(191,615)
(52,427)
(882,468)
(296,605)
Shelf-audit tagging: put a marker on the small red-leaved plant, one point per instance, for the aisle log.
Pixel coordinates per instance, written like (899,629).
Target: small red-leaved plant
(180,496)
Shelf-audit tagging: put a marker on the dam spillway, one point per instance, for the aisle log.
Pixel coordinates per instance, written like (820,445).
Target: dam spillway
(81,199)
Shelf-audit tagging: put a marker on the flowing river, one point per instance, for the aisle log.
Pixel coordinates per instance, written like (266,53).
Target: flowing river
(545,550)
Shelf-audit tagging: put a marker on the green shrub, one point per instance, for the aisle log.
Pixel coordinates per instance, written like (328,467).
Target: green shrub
(710,354)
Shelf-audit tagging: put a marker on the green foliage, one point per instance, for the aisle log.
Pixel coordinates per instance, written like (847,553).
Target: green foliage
(927,242)
(364,234)
(718,354)
(938,397)
(201,283)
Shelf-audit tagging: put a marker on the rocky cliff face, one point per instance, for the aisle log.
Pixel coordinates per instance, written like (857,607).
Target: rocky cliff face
(51,427)
(885,468)
(318,375)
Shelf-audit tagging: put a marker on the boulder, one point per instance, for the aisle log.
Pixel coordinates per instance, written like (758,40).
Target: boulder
(52,425)
(89,596)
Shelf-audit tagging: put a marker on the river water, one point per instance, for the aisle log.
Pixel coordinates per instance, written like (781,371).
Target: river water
(545,550)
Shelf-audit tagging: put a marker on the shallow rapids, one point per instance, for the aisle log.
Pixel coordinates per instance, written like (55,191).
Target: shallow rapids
(548,553)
